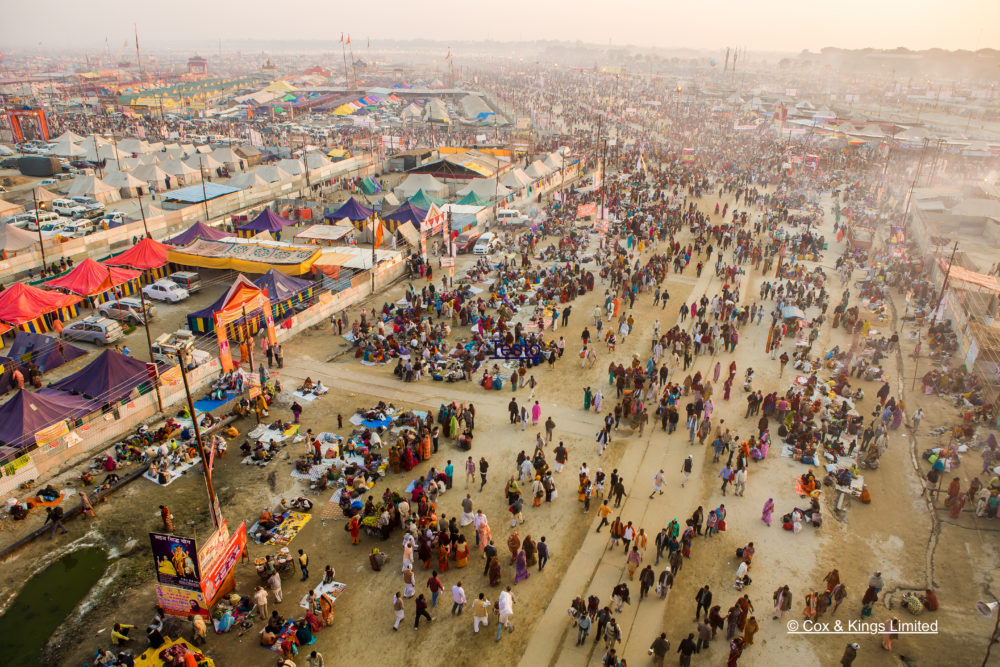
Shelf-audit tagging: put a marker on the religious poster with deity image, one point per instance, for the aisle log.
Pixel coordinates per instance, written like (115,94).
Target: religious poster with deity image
(176,561)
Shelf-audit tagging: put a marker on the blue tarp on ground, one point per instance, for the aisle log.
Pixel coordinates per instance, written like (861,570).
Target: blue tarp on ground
(109,378)
(31,411)
(198,230)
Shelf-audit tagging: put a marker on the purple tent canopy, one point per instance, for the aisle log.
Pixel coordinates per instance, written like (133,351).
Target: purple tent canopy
(351,210)
(30,411)
(198,230)
(408,212)
(44,351)
(107,379)
(267,221)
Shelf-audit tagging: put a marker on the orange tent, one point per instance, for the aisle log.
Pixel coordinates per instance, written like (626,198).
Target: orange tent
(89,278)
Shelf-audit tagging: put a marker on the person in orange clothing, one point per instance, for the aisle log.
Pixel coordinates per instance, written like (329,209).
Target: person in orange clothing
(425,448)
(355,527)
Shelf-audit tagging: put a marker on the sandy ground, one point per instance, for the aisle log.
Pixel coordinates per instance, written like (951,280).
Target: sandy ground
(897,533)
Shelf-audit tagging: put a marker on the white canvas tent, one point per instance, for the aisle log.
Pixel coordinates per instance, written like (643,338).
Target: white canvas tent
(291,166)
(69,136)
(484,188)
(516,179)
(431,186)
(537,170)
(133,145)
(272,173)
(153,174)
(244,180)
(89,185)
(128,185)
(316,160)
(182,173)
(228,157)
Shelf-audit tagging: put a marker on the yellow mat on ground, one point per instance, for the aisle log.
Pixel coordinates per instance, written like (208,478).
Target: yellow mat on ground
(289,528)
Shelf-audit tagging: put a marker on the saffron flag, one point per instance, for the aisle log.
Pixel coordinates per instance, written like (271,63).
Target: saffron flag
(378,233)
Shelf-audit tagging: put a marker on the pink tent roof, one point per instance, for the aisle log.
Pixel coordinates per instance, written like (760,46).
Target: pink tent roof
(146,254)
(22,303)
(89,277)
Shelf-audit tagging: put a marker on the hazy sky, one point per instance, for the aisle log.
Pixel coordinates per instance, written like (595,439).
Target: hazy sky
(762,25)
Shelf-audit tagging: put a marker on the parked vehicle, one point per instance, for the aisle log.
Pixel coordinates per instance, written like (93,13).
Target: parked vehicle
(94,329)
(77,228)
(189,280)
(511,217)
(68,208)
(466,242)
(484,244)
(128,309)
(165,290)
(36,218)
(166,347)
(113,218)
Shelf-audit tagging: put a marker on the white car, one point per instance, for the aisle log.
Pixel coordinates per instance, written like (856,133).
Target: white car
(77,228)
(128,309)
(166,290)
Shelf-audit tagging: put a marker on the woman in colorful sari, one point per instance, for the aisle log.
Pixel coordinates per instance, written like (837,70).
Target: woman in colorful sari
(598,400)
(326,608)
(686,542)
(514,544)
(521,567)
(812,600)
(587,396)
(314,621)
(442,553)
(530,551)
(485,534)
(461,552)
(768,510)
(494,571)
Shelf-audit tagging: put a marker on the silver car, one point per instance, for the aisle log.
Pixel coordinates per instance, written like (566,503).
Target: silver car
(94,329)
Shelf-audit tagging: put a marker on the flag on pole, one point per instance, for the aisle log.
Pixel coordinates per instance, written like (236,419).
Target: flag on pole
(348,38)
(341,38)
(449,55)
(378,232)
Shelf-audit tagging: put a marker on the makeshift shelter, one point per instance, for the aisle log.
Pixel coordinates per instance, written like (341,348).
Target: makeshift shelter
(198,230)
(28,412)
(69,136)
(370,186)
(353,211)
(108,379)
(133,145)
(242,293)
(67,149)
(405,213)
(203,163)
(96,281)
(32,309)
(44,351)
(267,221)
(228,157)
(426,183)
(13,239)
(89,185)
(246,257)
(516,179)
(537,169)
(316,160)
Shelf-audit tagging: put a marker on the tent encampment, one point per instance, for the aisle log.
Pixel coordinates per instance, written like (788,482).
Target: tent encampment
(267,221)
(33,309)
(29,412)
(109,378)
(352,210)
(92,279)
(44,351)
(198,230)
(144,255)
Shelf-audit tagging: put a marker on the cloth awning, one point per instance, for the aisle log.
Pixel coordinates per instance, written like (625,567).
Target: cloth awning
(109,378)
(89,278)
(352,210)
(146,254)
(244,257)
(22,303)
(964,275)
(28,412)
(324,232)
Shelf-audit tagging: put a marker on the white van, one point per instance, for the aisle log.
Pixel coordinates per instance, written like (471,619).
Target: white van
(36,217)
(484,244)
(68,207)
(509,216)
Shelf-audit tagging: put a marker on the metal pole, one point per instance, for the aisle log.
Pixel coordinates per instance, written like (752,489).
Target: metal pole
(248,341)
(212,500)
(149,343)
(143,212)
(38,226)
(944,285)
(204,192)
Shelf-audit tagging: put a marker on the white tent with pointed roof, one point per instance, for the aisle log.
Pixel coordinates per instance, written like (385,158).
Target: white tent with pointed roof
(188,149)
(516,179)
(89,185)
(228,157)
(133,145)
(431,186)
(104,151)
(537,170)
(248,179)
(316,160)
(67,149)
(153,174)
(181,171)
(128,185)
(69,136)
(291,166)
(209,163)
(272,173)
(149,159)
(484,188)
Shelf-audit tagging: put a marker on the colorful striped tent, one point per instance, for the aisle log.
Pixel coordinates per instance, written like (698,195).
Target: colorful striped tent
(283,291)
(408,212)
(353,211)
(31,309)
(148,256)
(97,282)
(267,221)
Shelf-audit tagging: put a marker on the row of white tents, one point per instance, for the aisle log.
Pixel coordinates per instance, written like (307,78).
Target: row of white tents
(514,180)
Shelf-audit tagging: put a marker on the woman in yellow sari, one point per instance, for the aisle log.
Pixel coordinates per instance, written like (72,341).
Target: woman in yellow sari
(461,552)
(811,601)
(326,608)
